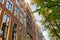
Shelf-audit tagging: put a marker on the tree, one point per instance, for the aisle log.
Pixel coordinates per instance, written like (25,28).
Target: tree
(50,10)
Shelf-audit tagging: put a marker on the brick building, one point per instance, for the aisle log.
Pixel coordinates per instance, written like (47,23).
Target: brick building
(39,35)
(16,21)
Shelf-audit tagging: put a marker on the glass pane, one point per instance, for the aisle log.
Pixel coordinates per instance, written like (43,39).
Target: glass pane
(21,20)
(20,33)
(14,31)
(9,5)
(24,14)
(24,21)
(6,18)
(1,0)
(5,26)
(10,1)
(16,12)
(24,35)
(17,2)
(21,15)
(21,8)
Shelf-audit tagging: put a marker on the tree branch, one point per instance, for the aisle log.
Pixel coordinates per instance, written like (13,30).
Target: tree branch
(54,30)
(53,6)
(57,25)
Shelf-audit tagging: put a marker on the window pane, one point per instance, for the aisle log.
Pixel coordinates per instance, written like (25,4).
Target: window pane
(24,21)
(17,2)
(24,35)
(24,14)
(9,5)
(5,26)
(21,18)
(20,33)
(1,0)
(16,12)
(14,31)
(21,15)
(21,8)
(6,18)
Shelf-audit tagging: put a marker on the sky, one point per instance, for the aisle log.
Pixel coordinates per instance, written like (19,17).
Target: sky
(38,19)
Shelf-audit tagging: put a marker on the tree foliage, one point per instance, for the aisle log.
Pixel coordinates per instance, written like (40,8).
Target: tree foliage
(50,9)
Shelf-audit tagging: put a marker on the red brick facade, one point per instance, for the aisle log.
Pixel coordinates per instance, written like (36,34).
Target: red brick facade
(12,25)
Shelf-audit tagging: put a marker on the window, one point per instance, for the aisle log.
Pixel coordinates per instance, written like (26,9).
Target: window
(17,2)
(21,18)
(16,12)
(14,31)
(9,5)
(28,37)
(1,0)
(5,26)
(21,15)
(21,8)
(24,14)
(24,35)
(24,21)
(20,33)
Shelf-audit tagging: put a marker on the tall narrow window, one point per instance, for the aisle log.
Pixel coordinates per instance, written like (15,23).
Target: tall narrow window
(20,33)
(24,14)
(24,22)
(14,31)
(28,37)
(9,5)
(5,26)
(21,8)
(21,18)
(25,35)
(16,12)
(17,2)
